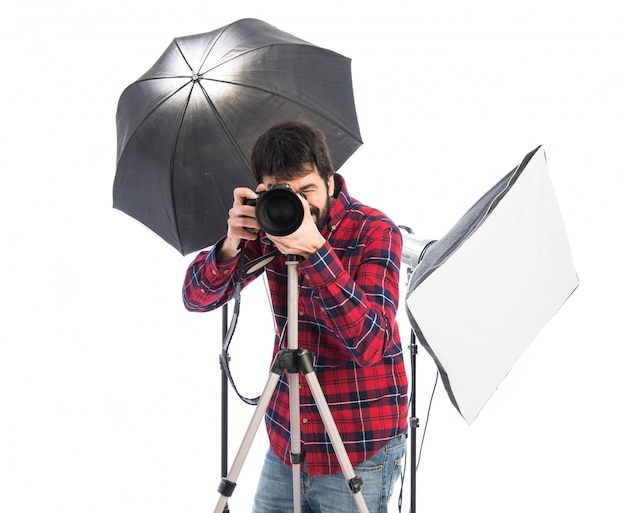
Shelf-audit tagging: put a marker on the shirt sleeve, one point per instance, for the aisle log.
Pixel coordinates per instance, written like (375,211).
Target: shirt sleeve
(361,306)
(208,284)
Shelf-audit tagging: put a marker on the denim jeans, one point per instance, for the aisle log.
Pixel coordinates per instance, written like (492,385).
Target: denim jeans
(330,494)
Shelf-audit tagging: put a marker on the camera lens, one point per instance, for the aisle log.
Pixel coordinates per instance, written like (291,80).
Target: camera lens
(279,211)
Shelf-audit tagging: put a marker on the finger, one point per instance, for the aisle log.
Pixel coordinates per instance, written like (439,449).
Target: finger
(241,194)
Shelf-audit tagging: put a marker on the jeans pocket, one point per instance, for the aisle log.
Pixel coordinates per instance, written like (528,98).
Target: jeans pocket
(396,451)
(380,473)
(373,489)
(397,444)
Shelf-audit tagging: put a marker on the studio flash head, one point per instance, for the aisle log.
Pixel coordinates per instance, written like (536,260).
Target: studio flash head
(278,210)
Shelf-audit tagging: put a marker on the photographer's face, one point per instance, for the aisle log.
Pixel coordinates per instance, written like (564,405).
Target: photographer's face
(315,189)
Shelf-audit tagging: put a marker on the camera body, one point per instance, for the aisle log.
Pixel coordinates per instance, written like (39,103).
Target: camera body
(278,210)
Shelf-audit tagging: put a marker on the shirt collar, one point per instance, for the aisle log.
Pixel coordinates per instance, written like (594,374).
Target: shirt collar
(342,204)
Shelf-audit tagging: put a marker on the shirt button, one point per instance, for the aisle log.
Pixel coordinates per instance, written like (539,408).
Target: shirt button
(305,421)
(225,271)
(301,313)
(203,291)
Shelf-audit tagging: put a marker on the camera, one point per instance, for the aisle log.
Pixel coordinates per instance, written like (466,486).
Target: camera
(279,210)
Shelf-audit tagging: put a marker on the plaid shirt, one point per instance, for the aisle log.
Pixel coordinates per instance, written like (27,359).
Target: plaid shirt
(347,303)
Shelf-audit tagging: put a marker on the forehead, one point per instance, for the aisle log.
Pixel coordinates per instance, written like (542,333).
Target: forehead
(312,179)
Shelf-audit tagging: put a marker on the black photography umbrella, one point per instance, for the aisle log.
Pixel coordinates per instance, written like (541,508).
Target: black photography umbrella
(483,292)
(185,129)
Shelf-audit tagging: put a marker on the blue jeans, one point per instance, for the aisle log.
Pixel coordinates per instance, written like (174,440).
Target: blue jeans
(330,494)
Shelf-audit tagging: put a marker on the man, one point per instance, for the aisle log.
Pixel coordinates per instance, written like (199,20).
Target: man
(348,274)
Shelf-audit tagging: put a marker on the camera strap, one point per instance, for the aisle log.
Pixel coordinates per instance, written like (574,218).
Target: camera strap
(224,357)
(244,271)
(257,264)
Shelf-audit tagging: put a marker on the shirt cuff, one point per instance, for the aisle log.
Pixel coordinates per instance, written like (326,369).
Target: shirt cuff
(221,272)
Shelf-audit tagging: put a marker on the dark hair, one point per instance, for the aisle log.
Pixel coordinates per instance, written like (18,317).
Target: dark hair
(285,148)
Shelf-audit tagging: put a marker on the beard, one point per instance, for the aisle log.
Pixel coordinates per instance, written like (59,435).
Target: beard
(321,216)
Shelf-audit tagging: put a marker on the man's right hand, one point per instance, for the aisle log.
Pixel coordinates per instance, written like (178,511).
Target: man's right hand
(242,224)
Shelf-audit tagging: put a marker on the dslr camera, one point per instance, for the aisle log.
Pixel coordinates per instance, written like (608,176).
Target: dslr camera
(278,210)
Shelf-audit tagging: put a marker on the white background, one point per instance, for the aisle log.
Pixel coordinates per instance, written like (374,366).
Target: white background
(109,389)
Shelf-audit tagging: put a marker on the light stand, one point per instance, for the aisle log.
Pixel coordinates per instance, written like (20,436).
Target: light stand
(294,361)
(224,390)
(413,423)
(413,251)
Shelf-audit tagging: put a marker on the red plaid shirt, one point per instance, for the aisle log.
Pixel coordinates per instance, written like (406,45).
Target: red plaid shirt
(348,298)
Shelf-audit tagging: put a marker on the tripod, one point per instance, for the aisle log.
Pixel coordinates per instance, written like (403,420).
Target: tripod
(294,361)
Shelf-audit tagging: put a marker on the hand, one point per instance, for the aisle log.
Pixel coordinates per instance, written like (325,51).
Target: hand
(242,223)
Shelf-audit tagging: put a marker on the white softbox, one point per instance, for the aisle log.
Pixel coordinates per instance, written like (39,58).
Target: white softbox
(483,292)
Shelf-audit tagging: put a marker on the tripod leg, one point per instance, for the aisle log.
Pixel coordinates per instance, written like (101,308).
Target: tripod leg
(229,482)
(335,438)
(296,443)
(294,379)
